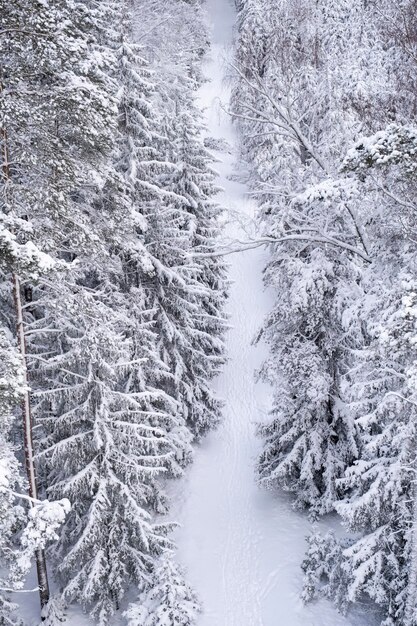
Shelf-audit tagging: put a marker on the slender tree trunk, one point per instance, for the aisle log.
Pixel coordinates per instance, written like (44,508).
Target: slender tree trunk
(28,439)
(26,409)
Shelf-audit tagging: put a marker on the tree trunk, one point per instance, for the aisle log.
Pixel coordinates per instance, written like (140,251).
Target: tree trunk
(411,592)
(28,440)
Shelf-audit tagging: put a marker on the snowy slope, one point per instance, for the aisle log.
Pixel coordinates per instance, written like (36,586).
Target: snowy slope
(242,547)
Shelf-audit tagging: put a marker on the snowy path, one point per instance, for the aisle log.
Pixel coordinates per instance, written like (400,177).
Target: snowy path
(242,547)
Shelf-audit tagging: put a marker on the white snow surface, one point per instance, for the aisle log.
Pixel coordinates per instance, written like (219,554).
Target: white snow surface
(241,546)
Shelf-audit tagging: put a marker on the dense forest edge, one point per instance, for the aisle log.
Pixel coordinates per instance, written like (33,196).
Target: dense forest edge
(325,99)
(112,324)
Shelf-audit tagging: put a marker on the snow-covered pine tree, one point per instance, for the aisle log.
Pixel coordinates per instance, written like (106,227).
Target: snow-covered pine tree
(56,141)
(166,601)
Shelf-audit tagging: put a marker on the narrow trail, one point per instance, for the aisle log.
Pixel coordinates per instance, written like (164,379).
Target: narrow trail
(242,547)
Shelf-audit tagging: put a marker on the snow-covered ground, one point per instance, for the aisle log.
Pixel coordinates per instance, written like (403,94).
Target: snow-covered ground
(242,547)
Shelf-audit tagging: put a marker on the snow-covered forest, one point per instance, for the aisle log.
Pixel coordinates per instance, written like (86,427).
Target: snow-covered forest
(208,313)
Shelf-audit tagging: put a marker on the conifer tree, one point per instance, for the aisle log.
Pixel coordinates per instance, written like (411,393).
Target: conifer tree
(188,292)
(12,389)
(191,316)
(93,355)
(112,444)
(168,601)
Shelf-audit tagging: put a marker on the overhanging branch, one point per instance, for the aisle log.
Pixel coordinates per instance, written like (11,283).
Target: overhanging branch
(242,246)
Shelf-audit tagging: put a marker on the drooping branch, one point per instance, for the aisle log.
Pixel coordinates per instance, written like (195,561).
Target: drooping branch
(287,126)
(22,31)
(242,246)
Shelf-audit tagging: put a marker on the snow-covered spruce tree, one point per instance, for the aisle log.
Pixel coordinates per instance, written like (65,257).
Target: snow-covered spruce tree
(104,447)
(136,158)
(186,293)
(311,438)
(166,601)
(147,160)
(191,290)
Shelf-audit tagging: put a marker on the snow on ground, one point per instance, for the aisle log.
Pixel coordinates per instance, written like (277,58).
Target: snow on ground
(242,547)
(29,609)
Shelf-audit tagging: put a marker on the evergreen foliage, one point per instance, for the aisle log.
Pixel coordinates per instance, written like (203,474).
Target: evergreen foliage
(104,203)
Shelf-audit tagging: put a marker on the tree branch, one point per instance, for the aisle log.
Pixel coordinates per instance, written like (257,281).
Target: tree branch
(257,243)
(293,127)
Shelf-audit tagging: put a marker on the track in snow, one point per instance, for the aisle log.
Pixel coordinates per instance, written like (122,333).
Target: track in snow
(242,547)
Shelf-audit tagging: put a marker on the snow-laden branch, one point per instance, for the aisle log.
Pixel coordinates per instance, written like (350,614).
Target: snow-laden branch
(242,246)
(287,126)
(400,201)
(27,255)
(10,590)
(23,31)
(400,396)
